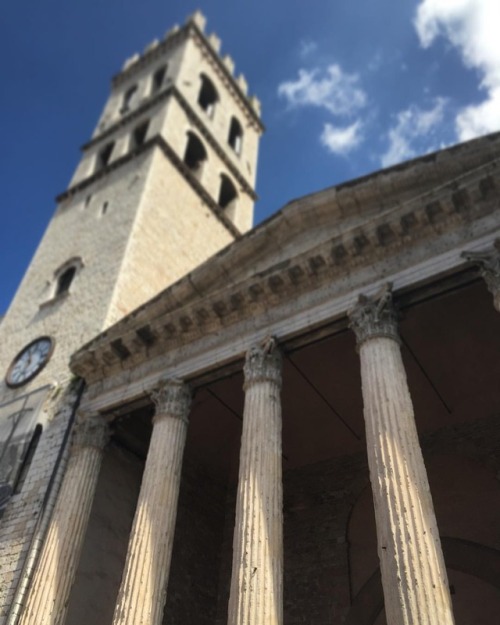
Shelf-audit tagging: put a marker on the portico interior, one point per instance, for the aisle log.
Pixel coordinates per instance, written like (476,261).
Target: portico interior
(450,335)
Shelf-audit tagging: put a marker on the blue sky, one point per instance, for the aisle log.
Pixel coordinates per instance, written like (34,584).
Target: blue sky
(346,88)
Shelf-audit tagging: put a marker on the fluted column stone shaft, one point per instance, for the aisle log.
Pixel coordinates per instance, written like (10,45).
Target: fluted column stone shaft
(143,591)
(414,575)
(48,594)
(256,594)
(488,264)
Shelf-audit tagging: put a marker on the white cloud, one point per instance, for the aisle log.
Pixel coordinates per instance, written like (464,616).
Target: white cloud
(472,27)
(414,132)
(341,140)
(307,48)
(334,90)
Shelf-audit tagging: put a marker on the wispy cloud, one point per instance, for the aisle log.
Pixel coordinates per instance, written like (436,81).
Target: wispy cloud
(414,132)
(342,140)
(471,26)
(333,89)
(307,48)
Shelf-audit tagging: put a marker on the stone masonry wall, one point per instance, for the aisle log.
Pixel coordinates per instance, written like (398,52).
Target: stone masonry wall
(193,585)
(22,524)
(173,233)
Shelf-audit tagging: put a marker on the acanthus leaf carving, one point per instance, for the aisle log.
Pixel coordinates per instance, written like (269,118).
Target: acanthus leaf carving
(172,398)
(263,363)
(375,316)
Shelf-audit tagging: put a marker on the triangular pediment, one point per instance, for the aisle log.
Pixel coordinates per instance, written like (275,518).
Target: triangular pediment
(359,220)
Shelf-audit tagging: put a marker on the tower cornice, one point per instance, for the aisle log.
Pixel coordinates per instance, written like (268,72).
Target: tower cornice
(172,90)
(191,29)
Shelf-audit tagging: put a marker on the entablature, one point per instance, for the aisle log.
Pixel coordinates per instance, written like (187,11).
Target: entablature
(411,244)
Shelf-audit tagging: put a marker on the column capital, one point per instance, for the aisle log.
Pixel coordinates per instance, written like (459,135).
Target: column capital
(91,431)
(263,363)
(488,264)
(172,398)
(375,316)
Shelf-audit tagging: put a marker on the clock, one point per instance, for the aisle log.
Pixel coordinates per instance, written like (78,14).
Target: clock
(30,361)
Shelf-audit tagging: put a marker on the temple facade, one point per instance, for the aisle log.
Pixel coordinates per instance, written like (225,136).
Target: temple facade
(304,428)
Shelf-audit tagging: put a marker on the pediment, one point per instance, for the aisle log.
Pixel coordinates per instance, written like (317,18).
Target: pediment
(324,235)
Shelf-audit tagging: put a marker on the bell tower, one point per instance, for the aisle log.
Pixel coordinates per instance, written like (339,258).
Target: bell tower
(166,180)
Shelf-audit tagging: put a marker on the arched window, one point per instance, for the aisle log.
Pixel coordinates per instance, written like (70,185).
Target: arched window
(158,79)
(139,135)
(65,275)
(64,281)
(235,138)
(195,154)
(128,97)
(227,192)
(104,156)
(207,97)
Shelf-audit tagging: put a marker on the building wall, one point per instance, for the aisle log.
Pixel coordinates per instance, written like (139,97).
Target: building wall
(176,126)
(100,241)
(194,63)
(194,577)
(174,232)
(142,77)
(22,525)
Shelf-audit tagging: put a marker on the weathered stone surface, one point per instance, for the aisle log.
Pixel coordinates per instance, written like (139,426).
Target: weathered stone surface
(143,590)
(374,316)
(256,594)
(47,599)
(489,267)
(413,572)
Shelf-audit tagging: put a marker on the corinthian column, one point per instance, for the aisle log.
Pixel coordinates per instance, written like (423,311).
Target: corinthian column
(48,594)
(488,264)
(256,596)
(143,590)
(411,560)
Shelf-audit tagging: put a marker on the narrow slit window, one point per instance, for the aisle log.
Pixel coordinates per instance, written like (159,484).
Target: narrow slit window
(235,138)
(28,459)
(207,98)
(195,154)
(158,79)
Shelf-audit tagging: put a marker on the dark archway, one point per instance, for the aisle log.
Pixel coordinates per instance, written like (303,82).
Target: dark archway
(460,555)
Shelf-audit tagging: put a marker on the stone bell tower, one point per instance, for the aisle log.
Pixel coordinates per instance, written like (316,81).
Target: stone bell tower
(166,180)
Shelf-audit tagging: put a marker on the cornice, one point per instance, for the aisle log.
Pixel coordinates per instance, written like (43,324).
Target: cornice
(174,39)
(375,242)
(168,151)
(194,118)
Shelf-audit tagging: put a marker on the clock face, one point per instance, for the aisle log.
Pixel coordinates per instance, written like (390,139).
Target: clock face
(30,361)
